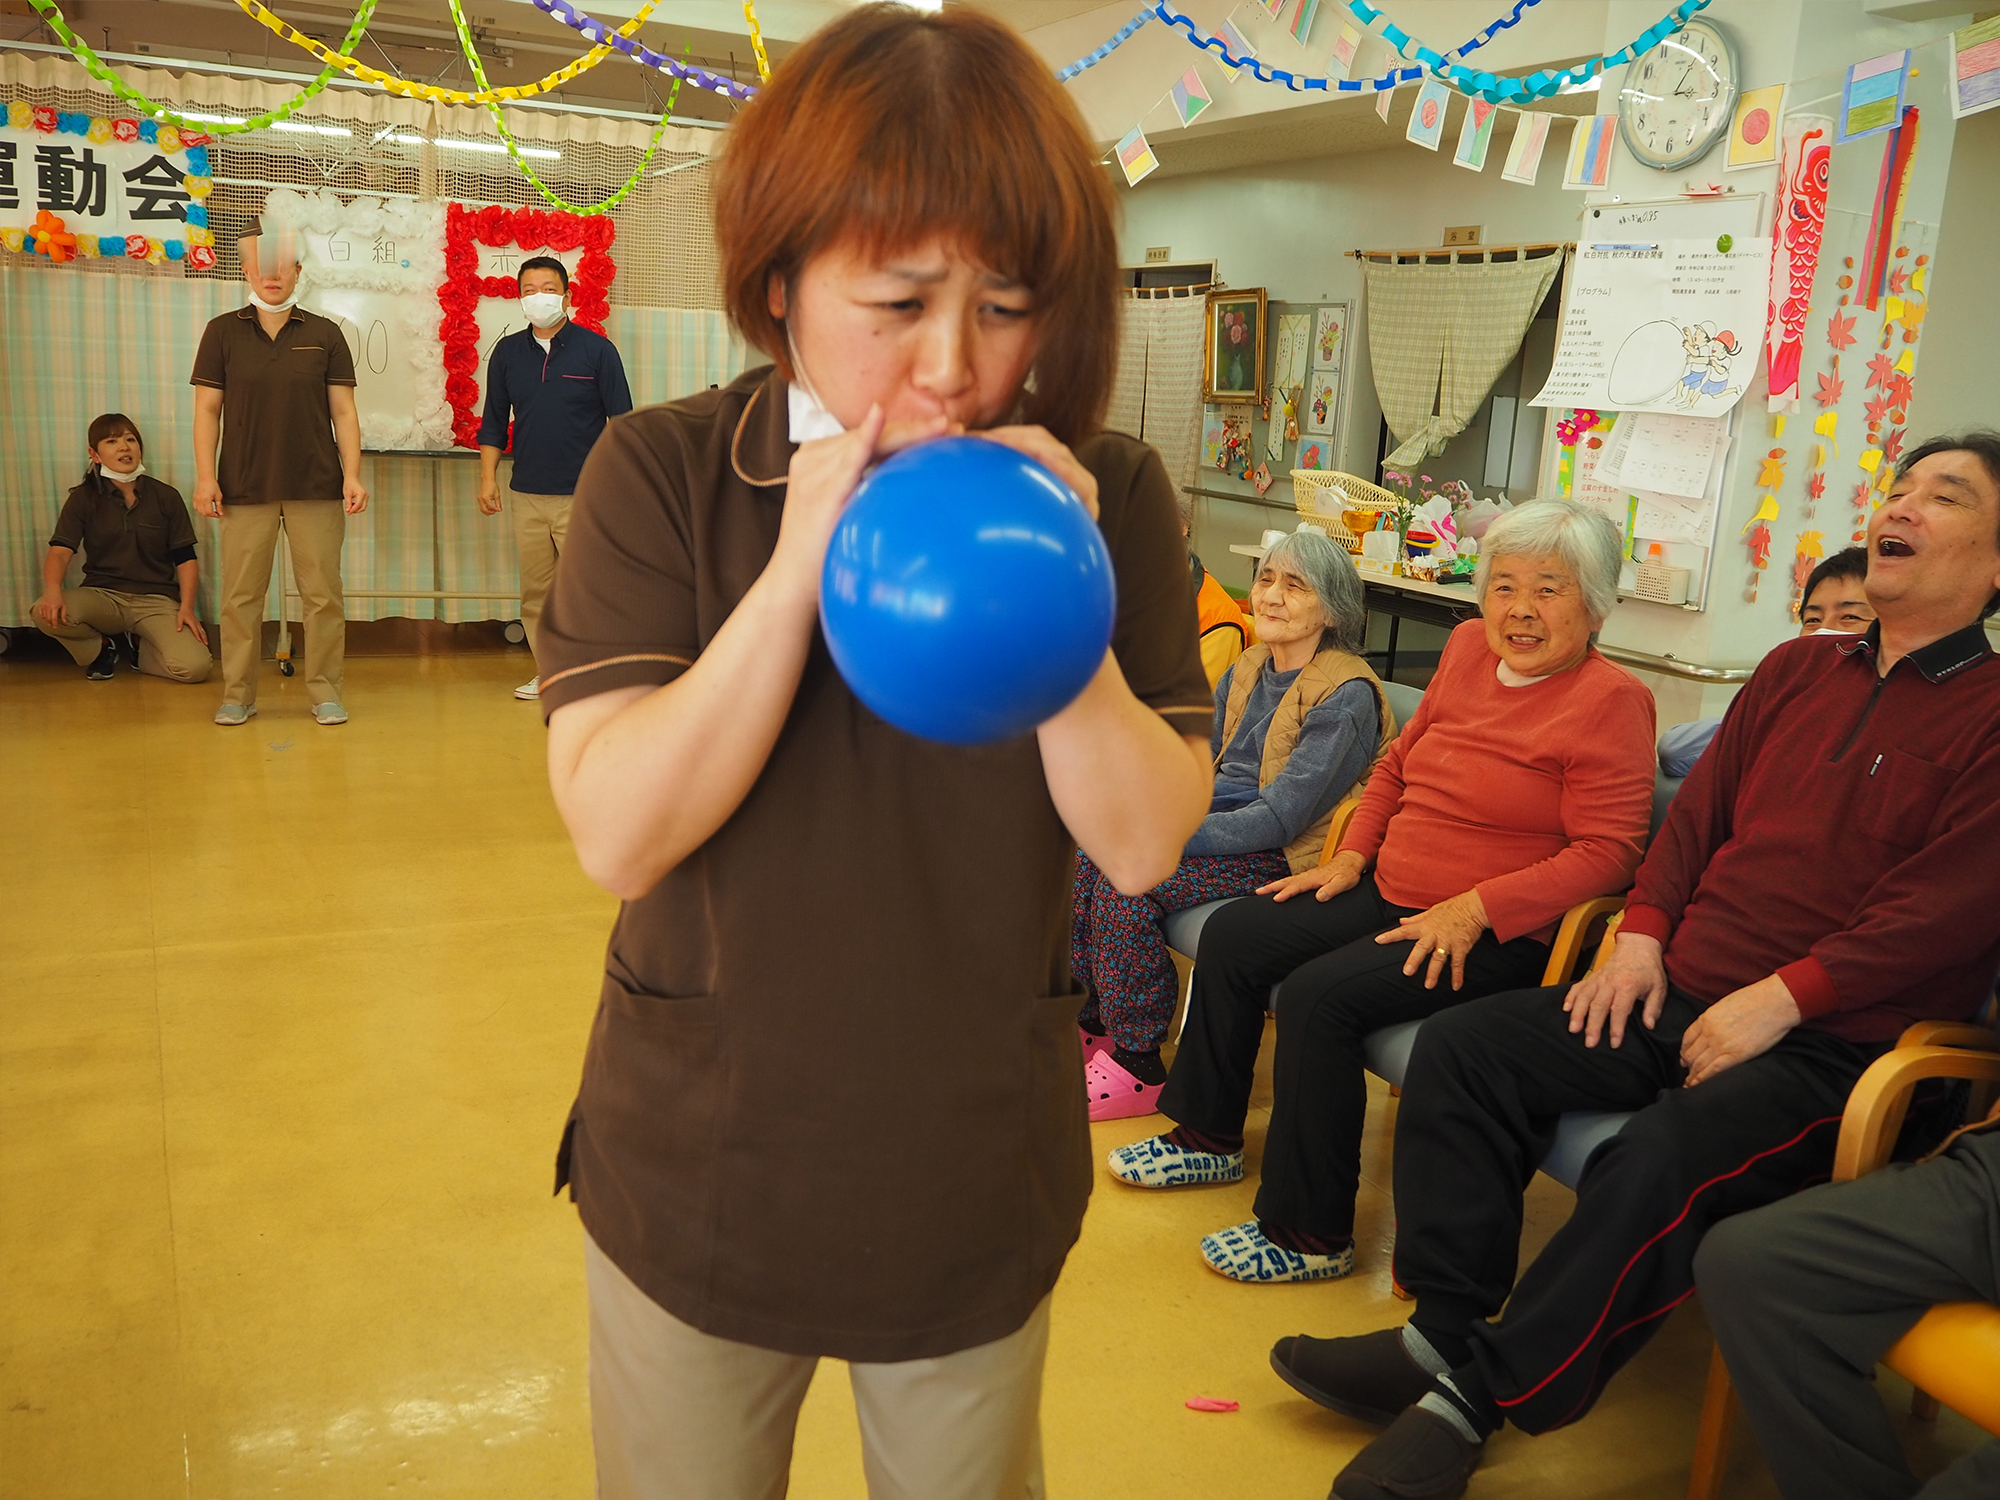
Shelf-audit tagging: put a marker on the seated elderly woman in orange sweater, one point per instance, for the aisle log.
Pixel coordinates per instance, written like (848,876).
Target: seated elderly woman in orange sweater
(1521,786)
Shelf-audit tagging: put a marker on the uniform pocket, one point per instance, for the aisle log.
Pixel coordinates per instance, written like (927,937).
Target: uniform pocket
(643,1154)
(1900,798)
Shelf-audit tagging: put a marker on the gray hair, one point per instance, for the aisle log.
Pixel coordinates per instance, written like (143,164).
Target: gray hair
(1325,565)
(1583,538)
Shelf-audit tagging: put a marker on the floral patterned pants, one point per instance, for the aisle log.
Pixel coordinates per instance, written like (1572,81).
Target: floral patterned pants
(1118,943)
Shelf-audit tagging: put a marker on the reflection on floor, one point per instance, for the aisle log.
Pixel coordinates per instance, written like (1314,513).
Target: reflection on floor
(289,1018)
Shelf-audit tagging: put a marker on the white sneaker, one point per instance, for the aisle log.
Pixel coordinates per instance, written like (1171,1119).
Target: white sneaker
(530,689)
(329,712)
(231,714)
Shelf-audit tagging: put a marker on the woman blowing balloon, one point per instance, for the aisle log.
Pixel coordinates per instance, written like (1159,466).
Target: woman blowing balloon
(831,1103)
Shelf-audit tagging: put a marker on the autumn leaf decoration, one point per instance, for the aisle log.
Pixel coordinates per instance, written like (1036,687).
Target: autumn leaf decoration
(1840,331)
(1830,387)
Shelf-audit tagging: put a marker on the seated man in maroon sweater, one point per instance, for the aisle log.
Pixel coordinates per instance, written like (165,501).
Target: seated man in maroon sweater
(1763,978)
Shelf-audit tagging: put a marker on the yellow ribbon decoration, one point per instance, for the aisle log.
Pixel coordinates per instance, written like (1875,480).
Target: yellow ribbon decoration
(409,90)
(757,43)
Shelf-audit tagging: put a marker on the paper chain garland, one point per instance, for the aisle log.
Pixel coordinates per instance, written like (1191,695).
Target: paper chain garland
(1486,86)
(1118,39)
(478,67)
(597,31)
(408,90)
(756,44)
(1125,33)
(95,67)
(50,236)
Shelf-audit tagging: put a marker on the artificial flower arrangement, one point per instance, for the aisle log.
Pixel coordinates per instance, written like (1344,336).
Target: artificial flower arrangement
(51,236)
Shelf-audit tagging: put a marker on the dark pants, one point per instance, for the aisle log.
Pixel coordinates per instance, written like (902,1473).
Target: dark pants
(1806,1295)
(1486,1085)
(1339,985)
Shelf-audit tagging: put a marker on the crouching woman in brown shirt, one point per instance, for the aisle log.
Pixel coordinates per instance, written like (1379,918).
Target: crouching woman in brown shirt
(832,1101)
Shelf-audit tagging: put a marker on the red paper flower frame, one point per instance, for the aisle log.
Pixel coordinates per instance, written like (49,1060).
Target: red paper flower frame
(530,228)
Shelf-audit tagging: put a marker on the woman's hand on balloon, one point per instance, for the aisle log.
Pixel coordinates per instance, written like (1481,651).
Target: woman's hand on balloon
(1038,444)
(822,478)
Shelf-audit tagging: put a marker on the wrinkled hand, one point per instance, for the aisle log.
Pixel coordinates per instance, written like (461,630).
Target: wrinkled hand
(208,497)
(1634,977)
(50,611)
(185,620)
(1038,444)
(821,480)
(1738,1027)
(489,498)
(355,495)
(1341,873)
(1447,930)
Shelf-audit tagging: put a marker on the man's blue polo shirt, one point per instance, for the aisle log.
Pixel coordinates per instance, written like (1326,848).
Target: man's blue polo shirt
(558,402)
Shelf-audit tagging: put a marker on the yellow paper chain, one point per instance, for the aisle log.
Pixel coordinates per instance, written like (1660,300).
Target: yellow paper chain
(757,43)
(409,90)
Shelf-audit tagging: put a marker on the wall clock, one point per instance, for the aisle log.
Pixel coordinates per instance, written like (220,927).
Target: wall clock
(1679,98)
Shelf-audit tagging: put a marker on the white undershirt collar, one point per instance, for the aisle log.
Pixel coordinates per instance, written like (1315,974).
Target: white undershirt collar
(1510,678)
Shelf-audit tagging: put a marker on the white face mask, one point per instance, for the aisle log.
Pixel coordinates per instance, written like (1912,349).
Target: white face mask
(542,309)
(110,473)
(809,418)
(257,301)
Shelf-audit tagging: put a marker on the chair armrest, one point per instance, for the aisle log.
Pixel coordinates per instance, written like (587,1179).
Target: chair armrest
(1949,1034)
(1610,938)
(1573,936)
(1881,1097)
(1337,829)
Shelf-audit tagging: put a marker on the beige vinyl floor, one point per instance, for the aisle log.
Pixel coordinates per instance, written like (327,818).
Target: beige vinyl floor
(289,1020)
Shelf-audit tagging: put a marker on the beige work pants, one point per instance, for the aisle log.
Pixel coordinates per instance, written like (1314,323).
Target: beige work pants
(677,1414)
(316,529)
(541,526)
(163,651)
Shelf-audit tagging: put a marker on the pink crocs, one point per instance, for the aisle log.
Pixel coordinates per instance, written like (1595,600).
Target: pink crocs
(1113,1093)
(1093,1043)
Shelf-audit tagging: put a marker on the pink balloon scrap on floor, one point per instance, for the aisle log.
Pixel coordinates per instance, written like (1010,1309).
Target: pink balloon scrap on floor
(1209,1403)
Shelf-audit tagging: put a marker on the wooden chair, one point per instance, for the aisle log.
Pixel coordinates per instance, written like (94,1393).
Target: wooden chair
(1953,1354)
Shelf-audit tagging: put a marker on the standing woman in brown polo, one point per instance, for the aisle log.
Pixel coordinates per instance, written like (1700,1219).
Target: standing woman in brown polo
(832,1103)
(276,384)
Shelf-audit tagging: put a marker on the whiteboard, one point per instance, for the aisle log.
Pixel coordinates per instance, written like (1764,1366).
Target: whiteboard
(1741,215)
(386,372)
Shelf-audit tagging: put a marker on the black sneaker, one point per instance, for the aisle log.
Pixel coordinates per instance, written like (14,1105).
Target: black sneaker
(106,664)
(1370,1377)
(1420,1457)
(131,651)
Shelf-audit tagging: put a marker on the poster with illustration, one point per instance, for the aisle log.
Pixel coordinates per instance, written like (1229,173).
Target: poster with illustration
(1315,453)
(1322,403)
(1330,337)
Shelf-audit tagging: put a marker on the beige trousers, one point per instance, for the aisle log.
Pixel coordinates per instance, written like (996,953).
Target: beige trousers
(316,529)
(677,1414)
(163,651)
(541,526)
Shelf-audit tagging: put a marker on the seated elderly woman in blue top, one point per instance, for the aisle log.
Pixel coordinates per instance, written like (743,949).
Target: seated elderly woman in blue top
(1299,719)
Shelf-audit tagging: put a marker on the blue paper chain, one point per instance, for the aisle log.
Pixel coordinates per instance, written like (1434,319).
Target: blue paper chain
(1542,85)
(1487,86)
(1124,34)
(604,36)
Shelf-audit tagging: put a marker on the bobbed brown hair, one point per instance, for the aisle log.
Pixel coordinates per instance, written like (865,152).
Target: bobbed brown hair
(890,126)
(110,425)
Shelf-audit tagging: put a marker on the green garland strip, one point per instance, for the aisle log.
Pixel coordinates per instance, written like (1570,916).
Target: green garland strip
(95,66)
(500,123)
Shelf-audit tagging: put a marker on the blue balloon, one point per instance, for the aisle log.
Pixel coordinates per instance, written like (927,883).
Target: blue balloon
(967,594)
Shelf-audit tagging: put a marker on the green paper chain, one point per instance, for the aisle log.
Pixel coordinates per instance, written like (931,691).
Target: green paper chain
(95,66)
(500,123)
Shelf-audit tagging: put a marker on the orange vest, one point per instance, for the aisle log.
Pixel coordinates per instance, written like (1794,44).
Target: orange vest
(1221,624)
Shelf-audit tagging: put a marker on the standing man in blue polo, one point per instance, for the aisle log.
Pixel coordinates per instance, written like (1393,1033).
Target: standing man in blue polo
(558,384)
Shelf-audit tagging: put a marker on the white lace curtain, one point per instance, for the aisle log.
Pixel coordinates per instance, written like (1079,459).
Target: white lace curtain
(1439,336)
(1156,391)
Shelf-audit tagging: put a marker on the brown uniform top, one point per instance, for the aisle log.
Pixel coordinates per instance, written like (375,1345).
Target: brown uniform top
(833,1098)
(131,549)
(277,424)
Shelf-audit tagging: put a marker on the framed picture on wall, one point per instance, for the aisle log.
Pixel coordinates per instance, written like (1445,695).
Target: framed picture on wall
(1233,350)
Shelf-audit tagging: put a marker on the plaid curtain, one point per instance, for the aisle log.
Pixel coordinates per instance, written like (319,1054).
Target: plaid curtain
(1438,337)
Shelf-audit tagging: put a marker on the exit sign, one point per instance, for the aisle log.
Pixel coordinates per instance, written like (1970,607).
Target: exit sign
(1159,255)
